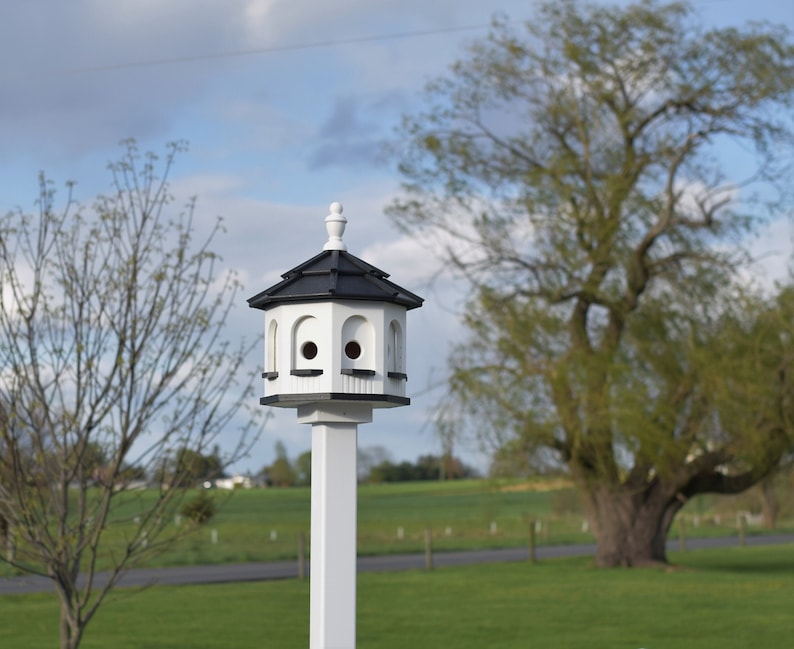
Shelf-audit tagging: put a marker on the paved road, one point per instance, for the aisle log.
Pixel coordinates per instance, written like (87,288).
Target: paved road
(385,563)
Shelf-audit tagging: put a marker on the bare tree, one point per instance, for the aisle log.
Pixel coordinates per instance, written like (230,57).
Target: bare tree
(112,352)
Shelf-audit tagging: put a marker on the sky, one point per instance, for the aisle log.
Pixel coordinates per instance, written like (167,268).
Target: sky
(284,104)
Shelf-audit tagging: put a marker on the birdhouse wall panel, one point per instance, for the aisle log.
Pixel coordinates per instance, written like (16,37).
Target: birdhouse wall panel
(395,387)
(361,385)
(276,361)
(308,384)
(359,326)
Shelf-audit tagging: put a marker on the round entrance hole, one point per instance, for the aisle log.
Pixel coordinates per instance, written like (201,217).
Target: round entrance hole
(309,350)
(352,350)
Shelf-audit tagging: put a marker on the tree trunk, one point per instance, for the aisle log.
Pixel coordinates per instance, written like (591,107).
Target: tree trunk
(630,529)
(71,631)
(71,626)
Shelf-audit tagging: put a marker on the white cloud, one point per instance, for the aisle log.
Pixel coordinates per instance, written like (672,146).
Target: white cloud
(772,251)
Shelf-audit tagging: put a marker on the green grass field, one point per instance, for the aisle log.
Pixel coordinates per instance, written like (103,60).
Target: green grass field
(714,599)
(264,524)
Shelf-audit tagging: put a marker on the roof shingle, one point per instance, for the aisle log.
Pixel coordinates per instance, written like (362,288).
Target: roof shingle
(335,275)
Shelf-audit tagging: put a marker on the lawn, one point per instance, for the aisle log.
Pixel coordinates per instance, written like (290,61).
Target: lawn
(720,599)
(264,524)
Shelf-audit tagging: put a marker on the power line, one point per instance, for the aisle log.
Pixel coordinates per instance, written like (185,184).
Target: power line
(59,72)
(241,53)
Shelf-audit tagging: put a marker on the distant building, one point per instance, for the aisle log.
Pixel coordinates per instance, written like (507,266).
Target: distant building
(235,482)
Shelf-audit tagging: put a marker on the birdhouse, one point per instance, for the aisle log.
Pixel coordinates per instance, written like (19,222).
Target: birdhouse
(335,330)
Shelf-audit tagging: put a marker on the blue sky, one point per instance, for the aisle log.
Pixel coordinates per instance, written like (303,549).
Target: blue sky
(280,123)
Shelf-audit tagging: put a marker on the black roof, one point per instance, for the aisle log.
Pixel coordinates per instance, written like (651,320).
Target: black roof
(335,274)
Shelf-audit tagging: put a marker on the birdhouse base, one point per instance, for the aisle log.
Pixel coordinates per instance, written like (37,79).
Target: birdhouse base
(298,400)
(335,413)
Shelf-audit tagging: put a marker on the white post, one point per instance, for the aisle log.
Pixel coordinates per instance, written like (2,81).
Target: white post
(332,606)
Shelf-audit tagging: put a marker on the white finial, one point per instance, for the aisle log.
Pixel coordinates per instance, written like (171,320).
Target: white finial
(335,225)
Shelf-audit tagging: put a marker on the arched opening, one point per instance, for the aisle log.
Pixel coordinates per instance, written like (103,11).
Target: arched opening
(271,351)
(395,355)
(306,350)
(358,346)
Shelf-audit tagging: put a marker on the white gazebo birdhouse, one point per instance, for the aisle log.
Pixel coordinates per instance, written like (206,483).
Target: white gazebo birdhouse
(335,330)
(334,350)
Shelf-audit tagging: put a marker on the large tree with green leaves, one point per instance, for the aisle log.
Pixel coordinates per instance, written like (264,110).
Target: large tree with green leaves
(112,355)
(591,174)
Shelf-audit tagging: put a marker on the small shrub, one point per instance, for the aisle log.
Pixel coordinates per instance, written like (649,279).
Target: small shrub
(200,509)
